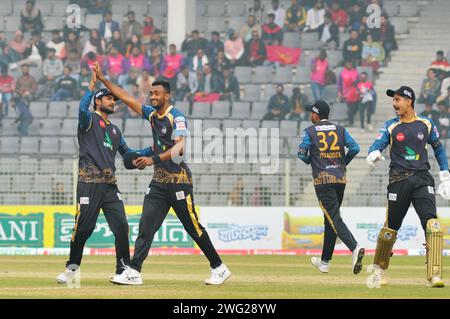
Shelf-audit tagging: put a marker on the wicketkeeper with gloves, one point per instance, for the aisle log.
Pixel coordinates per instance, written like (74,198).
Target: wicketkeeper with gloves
(410,182)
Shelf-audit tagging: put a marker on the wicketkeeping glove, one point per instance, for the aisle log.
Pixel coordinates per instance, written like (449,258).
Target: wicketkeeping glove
(444,186)
(374,157)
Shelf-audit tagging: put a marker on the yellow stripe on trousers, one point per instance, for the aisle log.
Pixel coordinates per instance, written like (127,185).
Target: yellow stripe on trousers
(328,217)
(193,216)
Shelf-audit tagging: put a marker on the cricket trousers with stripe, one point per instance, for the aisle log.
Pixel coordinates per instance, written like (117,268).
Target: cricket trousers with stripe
(330,198)
(157,202)
(91,197)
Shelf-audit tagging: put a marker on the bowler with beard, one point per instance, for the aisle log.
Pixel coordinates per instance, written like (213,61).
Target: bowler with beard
(99,141)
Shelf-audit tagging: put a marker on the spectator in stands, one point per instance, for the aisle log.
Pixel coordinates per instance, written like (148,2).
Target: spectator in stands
(385,34)
(352,48)
(35,52)
(131,26)
(261,197)
(319,69)
(171,65)
(24,116)
(73,43)
(315,17)
(235,198)
(441,66)
(220,62)
(4,59)
(430,88)
(272,32)
(107,27)
(7,89)
(134,42)
(65,86)
(94,44)
(59,196)
(30,18)
(249,27)
(98,6)
(186,84)
(138,60)
(255,50)
(90,58)
(444,98)
(133,89)
(192,44)
(347,90)
(74,62)
(115,64)
(199,61)
(367,100)
(297,105)
(16,47)
(26,84)
(339,16)
(207,82)
(234,48)
(117,42)
(144,83)
(355,17)
(279,13)
(444,120)
(228,85)
(83,80)
(295,17)
(155,63)
(148,29)
(51,69)
(278,105)
(157,42)
(432,114)
(214,46)
(372,53)
(58,44)
(328,33)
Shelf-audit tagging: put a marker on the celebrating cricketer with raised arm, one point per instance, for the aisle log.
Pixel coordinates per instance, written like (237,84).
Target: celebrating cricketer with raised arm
(99,141)
(171,185)
(410,182)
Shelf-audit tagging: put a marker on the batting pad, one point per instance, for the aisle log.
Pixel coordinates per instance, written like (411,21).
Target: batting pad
(434,239)
(385,242)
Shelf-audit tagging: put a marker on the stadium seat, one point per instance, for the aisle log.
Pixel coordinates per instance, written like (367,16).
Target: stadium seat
(250,124)
(252,92)
(22,182)
(49,145)
(269,90)
(334,58)
(270,124)
(11,23)
(283,75)
(262,74)
(68,146)
(236,23)
(391,8)
(9,145)
(240,110)
(243,74)
(235,8)
(215,8)
(50,127)
(133,127)
(200,8)
(38,108)
(259,109)
(42,183)
(183,107)
(133,142)
(215,24)
(408,9)
(158,8)
(330,93)
(201,24)
(309,41)
(201,110)
(400,24)
(5,8)
(227,182)
(59,7)
(211,124)
(338,112)
(54,23)
(140,6)
(93,20)
(69,127)
(220,109)
(302,75)
(57,109)
(288,128)
(231,124)
(292,40)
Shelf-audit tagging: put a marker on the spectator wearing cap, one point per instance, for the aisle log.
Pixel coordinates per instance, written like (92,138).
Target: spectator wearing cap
(107,27)
(26,84)
(35,52)
(65,86)
(191,44)
(372,53)
(51,69)
(30,18)
(187,84)
(130,26)
(94,44)
(214,46)
(430,88)
(271,32)
(148,29)
(234,48)
(319,69)
(255,50)
(249,27)
(441,65)
(295,17)
(16,47)
(297,104)
(58,44)
(352,48)
(7,88)
(73,43)
(339,16)
(347,90)
(278,105)
(228,85)
(315,17)
(328,33)
(278,12)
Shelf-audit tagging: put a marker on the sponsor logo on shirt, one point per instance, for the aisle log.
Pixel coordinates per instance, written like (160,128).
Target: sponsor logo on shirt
(107,142)
(325,128)
(411,155)
(420,136)
(102,124)
(400,137)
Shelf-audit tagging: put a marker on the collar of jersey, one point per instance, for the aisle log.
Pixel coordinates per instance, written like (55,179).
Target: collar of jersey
(107,122)
(412,120)
(165,113)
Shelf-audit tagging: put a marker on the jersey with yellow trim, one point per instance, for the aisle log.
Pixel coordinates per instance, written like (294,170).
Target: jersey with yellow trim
(408,145)
(165,129)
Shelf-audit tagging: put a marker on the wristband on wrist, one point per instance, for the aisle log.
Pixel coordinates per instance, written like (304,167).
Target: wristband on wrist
(156,159)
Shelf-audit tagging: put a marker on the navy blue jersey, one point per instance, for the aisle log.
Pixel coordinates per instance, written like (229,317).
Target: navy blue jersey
(99,141)
(408,146)
(323,146)
(165,129)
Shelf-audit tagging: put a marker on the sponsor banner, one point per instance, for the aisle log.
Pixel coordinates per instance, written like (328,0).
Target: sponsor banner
(243,227)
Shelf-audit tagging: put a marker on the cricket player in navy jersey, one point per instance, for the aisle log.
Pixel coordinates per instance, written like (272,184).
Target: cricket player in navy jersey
(99,141)
(323,146)
(171,185)
(410,182)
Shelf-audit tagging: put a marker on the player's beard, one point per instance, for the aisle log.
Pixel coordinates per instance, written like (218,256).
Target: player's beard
(106,110)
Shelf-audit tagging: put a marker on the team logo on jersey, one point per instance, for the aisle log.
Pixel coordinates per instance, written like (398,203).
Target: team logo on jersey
(102,124)
(164,130)
(108,142)
(114,131)
(400,137)
(411,155)
(420,136)
(379,136)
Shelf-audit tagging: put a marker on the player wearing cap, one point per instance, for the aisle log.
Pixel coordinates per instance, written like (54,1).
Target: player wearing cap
(410,182)
(171,185)
(323,146)
(99,142)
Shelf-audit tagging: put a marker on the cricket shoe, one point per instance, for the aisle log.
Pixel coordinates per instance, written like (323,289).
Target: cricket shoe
(67,276)
(380,278)
(129,276)
(218,275)
(357,257)
(436,282)
(323,267)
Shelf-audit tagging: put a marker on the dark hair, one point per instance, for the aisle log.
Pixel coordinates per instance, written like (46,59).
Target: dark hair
(107,12)
(365,73)
(69,67)
(164,84)
(440,52)
(271,15)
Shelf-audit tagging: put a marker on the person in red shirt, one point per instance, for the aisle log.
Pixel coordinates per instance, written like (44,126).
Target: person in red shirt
(339,16)
(440,65)
(7,88)
(368,97)
(255,50)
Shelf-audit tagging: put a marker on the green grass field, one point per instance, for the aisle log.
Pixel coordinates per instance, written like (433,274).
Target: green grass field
(182,277)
